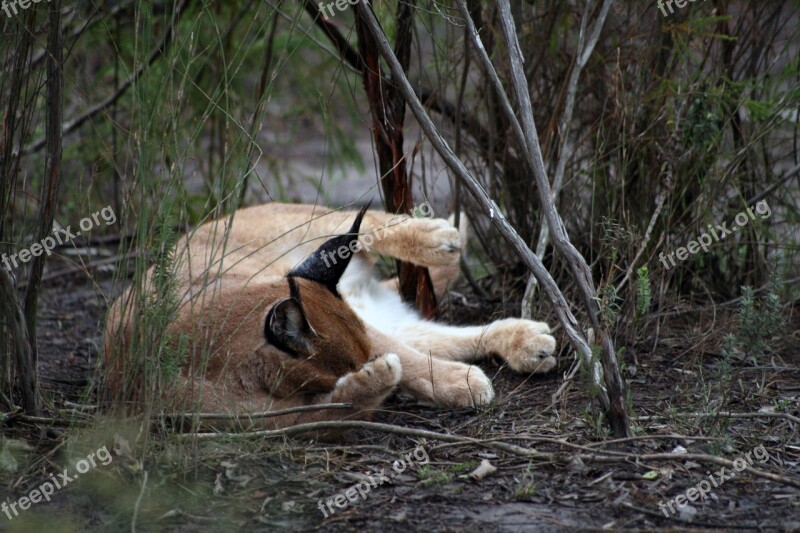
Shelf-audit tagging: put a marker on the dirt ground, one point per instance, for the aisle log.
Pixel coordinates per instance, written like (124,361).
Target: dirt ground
(166,482)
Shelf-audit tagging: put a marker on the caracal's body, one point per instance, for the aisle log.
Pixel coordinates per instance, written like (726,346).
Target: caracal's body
(268,318)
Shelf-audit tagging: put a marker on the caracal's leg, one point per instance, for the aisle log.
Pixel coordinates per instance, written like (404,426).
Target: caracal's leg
(526,345)
(433,380)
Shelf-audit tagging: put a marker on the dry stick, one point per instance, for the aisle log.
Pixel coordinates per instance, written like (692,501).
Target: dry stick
(619,424)
(769,190)
(662,196)
(570,325)
(481,197)
(723,414)
(513,449)
(50,421)
(14,318)
(267,414)
(581,345)
(584,51)
(71,125)
(617,414)
(48,199)
(360,424)
(568,380)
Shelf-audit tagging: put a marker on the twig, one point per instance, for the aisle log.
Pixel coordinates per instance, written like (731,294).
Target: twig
(662,196)
(567,382)
(138,503)
(513,449)
(557,394)
(72,125)
(584,51)
(251,416)
(769,190)
(45,420)
(479,194)
(359,424)
(614,408)
(723,414)
(650,437)
(695,523)
(565,317)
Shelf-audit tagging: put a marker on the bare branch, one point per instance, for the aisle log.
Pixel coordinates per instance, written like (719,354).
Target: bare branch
(481,197)
(73,124)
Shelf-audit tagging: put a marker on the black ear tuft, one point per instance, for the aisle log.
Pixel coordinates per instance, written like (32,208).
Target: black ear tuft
(327,265)
(287,328)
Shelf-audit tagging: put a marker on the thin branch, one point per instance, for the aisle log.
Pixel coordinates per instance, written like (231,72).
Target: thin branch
(571,327)
(660,200)
(159,51)
(48,199)
(722,414)
(769,190)
(584,51)
(616,414)
(254,416)
(14,317)
(600,456)
(335,36)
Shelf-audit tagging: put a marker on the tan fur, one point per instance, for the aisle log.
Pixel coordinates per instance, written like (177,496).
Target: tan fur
(230,273)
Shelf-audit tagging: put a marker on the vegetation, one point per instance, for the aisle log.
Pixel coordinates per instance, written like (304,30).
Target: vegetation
(178,112)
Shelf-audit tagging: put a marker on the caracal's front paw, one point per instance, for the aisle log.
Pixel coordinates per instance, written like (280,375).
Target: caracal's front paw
(524,344)
(433,242)
(385,370)
(461,385)
(372,383)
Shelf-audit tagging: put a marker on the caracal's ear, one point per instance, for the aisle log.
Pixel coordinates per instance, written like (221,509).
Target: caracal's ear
(286,326)
(317,267)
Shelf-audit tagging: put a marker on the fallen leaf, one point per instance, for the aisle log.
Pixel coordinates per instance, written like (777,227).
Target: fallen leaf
(121,446)
(218,488)
(650,475)
(484,469)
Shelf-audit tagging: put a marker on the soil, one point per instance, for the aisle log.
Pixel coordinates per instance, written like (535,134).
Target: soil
(165,483)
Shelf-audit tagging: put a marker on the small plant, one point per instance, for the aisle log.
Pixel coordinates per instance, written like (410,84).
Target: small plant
(596,422)
(717,390)
(759,320)
(783,405)
(587,369)
(526,485)
(643,292)
(164,299)
(460,468)
(609,304)
(431,477)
